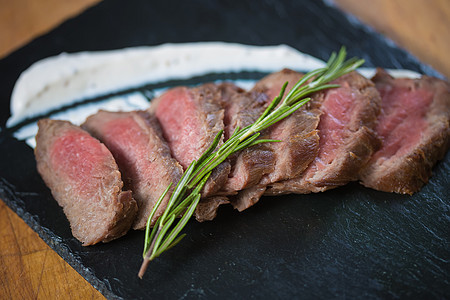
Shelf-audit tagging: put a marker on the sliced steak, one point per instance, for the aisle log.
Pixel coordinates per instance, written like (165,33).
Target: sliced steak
(347,139)
(143,157)
(414,128)
(85,180)
(190,119)
(298,135)
(207,208)
(251,164)
(248,197)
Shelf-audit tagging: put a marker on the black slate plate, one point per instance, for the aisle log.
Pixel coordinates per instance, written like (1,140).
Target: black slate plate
(351,242)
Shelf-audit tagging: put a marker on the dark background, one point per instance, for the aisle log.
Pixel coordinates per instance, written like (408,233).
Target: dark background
(351,242)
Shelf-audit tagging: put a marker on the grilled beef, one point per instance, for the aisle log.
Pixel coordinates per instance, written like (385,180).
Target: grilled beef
(85,180)
(190,119)
(248,197)
(298,136)
(249,165)
(414,128)
(347,139)
(207,207)
(325,144)
(143,157)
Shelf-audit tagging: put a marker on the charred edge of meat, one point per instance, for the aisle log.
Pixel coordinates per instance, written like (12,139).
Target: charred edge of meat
(247,197)
(207,208)
(298,135)
(339,162)
(190,119)
(144,158)
(248,166)
(410,168)
(85,181)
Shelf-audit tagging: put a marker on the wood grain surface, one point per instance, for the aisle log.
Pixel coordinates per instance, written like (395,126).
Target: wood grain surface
(29,269)
(421,27)
(23,20)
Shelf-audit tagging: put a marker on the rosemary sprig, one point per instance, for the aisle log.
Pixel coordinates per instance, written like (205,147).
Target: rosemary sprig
(186,195)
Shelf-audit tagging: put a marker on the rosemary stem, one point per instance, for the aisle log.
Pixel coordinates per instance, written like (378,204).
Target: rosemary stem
(143,267)
(152,245)
(186,195)
(147,257)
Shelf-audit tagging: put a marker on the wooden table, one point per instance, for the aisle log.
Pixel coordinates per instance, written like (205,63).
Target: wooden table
(29,269)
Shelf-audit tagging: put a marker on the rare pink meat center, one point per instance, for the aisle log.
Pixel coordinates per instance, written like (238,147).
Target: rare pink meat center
(402,120)
(78,157)
(336,110)
(129,146)
(181,124)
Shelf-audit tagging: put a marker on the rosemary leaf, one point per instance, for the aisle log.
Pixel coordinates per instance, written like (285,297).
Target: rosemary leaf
(184,199)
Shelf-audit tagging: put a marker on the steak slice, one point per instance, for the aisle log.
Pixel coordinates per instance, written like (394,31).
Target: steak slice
(143,157)
(298,136)
(85,181)
(190,119)
(249,165)
(414,128)
(207,207)
(347,139)
(298,133)
(248,197)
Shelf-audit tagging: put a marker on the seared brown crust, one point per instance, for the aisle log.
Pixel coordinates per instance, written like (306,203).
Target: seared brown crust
(148,168)
(298,146)
(407,174)
(208,113)
(98,210)
(298,134)
(248,197)
(249,165)
(212,95)
(345,168)
(207,208)
(123,219)
(355,150)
